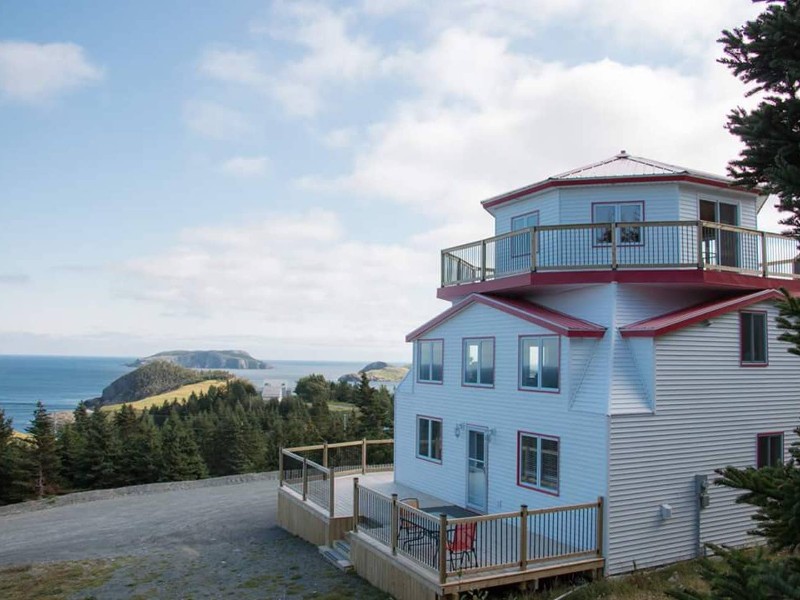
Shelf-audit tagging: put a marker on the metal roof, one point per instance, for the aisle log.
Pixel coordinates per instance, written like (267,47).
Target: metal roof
(621,168)
(695,314)
(551,320)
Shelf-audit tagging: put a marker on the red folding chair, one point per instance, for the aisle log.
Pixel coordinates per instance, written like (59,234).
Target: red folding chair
(462,545)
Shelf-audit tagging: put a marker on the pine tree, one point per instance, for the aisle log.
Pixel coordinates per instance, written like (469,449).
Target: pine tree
(97,462)
(13,479)
(42,453)
(763,53)
(181,456)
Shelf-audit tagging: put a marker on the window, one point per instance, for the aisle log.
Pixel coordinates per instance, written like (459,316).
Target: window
(521,243)
(539,362)
(430,361)
(618,212)
(479,361)
(429,438)
(538,462)
(525,221)
(769,452)
(753,338)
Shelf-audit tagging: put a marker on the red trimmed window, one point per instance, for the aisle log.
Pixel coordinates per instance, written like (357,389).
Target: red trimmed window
(429,438)
(539,362)
(769,452)
(430,361)
(479,361)
(538,461)
(753,338)
(618,212)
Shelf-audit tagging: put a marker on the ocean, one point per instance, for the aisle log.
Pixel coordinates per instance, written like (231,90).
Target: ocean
(60,382)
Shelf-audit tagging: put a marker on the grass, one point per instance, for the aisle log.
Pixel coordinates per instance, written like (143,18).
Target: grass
(342,407)
(21,435)
(181,395)
(641,585)
(54,581)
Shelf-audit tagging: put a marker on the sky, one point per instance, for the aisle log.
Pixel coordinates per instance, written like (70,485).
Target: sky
(281,176)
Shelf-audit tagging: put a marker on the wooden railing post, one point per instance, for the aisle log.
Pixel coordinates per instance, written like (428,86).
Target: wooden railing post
(700,259)
(325,455)
(364,456)
(444,280)
(534,247)
(442,548)
(483,260)
(764,261)
(613,246)
(305,478)
(332,496)
(393,525)
(355,504)
(523,537)
(599,527)
(280,468)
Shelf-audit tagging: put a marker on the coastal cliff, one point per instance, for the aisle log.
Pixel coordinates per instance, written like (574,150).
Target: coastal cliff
(205,359)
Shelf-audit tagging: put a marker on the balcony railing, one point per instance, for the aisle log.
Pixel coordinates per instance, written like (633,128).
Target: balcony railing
(610,246)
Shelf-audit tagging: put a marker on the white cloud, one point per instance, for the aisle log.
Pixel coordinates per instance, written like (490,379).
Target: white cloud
(340,138)
(294,277)
(330,56)
(246,166)
(487,119)
(215,121)
(14,279)
(36,73)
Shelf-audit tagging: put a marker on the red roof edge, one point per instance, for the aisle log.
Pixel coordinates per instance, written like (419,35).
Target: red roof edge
(655,326)
(548,318)
(552,183)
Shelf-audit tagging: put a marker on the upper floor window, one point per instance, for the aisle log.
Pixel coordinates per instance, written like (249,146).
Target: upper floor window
(537,464)
(769,452)
(753,338)
(521,243)
(525,221)
(539,363)
(618,212)
(479,361)
(430,361)
(429,438)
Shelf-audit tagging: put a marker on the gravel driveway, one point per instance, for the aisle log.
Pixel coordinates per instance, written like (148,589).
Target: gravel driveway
(218,538)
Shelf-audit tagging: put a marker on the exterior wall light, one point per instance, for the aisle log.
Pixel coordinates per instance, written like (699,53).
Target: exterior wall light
(460,427)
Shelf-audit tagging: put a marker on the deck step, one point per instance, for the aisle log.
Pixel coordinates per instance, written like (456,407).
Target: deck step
(343,547)
(336,558)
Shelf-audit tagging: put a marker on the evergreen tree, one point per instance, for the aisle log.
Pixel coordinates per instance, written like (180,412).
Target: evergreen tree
(97,462)
(181,455)
(764,54)
(313,388)
(43,459)
(13,479)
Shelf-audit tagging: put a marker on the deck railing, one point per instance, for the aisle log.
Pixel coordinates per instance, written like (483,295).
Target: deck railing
(311,471)
(610,246)
(453,547)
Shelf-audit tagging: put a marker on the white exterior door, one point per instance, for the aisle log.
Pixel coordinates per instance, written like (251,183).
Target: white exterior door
(477,470)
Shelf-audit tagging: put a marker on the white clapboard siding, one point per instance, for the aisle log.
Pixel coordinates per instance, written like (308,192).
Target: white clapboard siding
(660,200)
(690,196)
(504,409)
(709,410)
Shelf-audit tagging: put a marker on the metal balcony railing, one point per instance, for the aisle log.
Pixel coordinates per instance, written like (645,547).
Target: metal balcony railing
(610,246)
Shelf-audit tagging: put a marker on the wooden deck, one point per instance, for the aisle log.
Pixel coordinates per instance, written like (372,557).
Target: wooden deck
(382,483)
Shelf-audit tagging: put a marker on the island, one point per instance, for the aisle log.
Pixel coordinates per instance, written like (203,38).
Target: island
(205,359)
(378,371)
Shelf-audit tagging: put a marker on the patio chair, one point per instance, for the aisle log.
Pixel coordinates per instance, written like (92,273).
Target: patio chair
(461,545)
(412,530)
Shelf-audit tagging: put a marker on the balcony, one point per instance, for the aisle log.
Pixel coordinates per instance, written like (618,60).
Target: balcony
(649,245)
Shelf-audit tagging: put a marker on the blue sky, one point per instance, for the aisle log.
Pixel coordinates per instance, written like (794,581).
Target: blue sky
(280,176)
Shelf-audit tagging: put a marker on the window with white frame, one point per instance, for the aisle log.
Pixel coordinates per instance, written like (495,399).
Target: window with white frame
(618,212)
(769,452)
(538,462)
(479,361)
(430,361)
(539,362)
(753,338)
(429,438)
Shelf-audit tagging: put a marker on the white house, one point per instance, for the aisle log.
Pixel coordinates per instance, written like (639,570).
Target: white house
(615,339)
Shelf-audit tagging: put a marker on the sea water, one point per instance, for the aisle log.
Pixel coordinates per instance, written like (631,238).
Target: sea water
(60,382)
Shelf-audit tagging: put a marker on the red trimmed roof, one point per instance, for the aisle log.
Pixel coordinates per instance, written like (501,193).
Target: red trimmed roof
(623,168)
(694,314)
(552,320)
